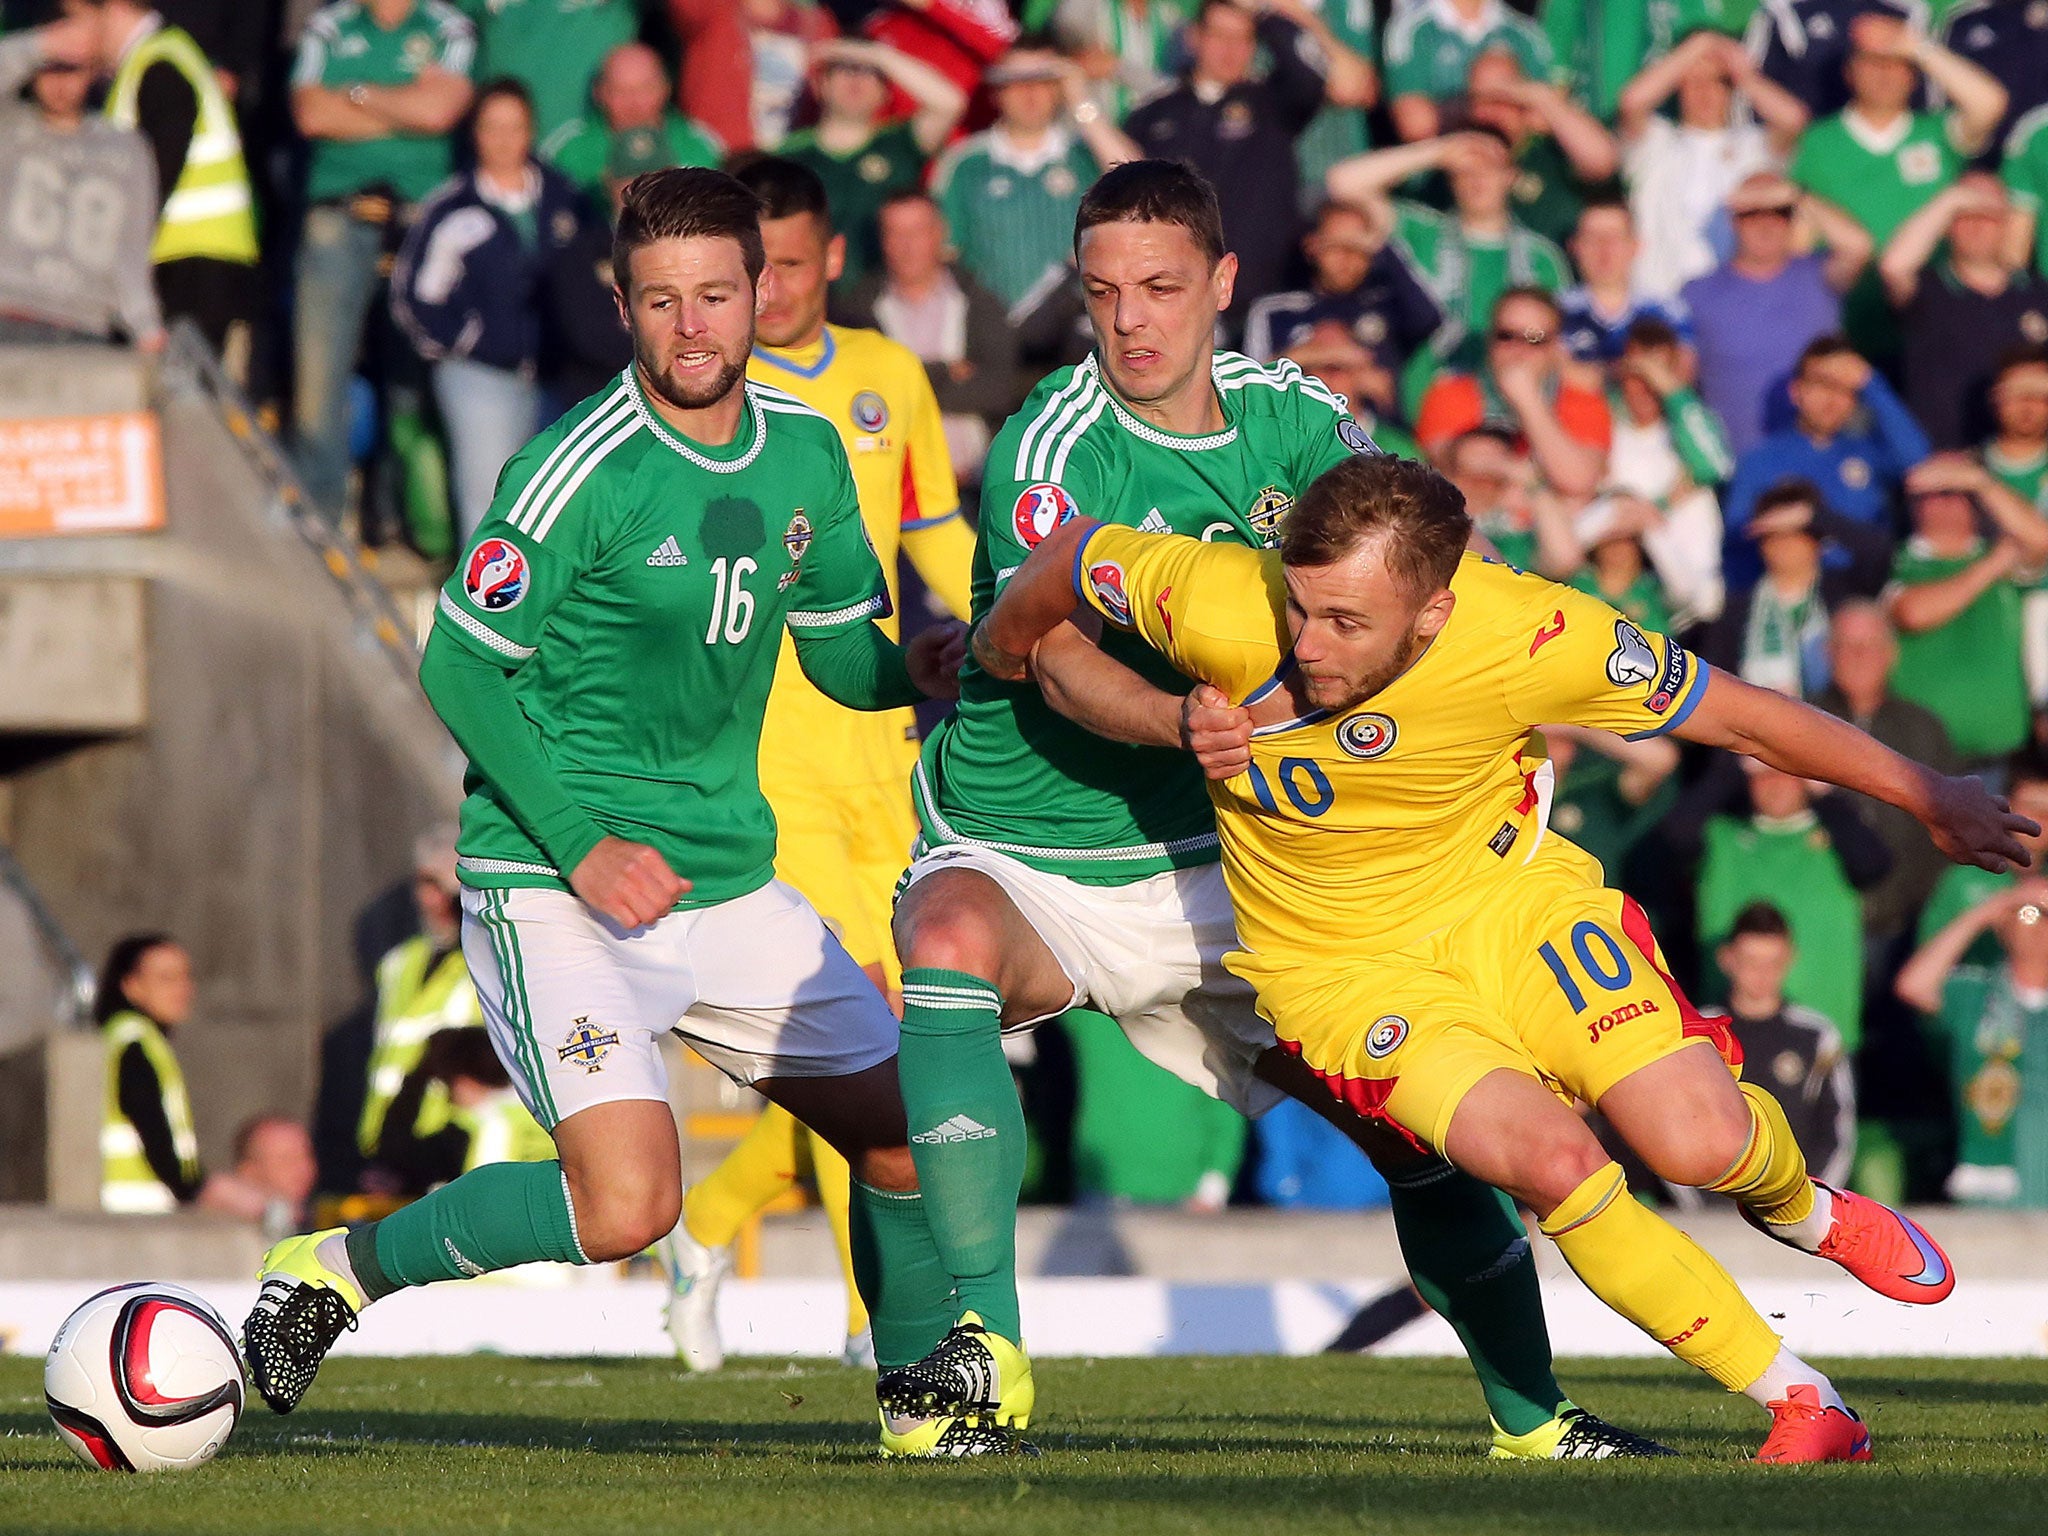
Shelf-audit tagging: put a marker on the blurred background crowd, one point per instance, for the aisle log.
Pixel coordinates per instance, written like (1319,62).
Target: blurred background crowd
(1734,312)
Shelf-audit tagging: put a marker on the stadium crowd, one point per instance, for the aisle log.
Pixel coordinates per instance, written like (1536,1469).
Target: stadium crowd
(1732,312)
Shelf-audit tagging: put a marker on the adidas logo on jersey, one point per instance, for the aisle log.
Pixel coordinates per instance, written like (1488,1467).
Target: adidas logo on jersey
(670,553)
(1154,523)
(959,1128)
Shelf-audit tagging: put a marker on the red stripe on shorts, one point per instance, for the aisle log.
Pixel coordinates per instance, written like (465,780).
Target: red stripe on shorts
(1635,923)
(1364,1096)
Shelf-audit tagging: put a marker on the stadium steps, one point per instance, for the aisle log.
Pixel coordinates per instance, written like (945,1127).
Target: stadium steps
(214,729)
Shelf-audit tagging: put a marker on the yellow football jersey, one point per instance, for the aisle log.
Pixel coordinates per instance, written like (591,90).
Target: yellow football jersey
(1363,831)
(877,393)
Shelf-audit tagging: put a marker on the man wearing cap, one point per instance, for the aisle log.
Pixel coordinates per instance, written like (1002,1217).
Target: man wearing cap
(1009,192)
(1753,314)
(634,129)
(861,159)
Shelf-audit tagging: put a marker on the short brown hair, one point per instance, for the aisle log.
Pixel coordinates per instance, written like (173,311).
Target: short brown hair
(1154,192)
(1419,513)
(686,203)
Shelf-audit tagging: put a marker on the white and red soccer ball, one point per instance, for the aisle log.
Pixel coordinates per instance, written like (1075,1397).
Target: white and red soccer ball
(144,1378)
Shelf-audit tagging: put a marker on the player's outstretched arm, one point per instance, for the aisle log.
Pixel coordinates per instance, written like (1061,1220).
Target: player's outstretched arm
(1967,822)
(862,668)
(1033,604)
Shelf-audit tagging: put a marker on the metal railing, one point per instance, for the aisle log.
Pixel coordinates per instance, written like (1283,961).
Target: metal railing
(80,985)
(379,619)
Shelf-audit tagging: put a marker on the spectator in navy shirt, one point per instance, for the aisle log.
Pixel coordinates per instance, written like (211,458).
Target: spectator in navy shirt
(1360,280)
(1598,312)
(2007,39)
(1851,437)
(1963,309)
(1753,314)
(1804,44)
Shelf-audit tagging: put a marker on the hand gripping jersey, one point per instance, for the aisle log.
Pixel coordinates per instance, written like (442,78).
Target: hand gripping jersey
(636,585)
(1431,772)
(875,393)
(1006,771)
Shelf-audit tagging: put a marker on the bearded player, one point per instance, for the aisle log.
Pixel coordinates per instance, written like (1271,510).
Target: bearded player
(603,655)
(1058,870)
(837,778)
(1436,955)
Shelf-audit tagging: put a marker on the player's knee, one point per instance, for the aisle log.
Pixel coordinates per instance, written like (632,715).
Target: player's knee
(622,1222)
(889,1169)
(1560,1165)
(1717,1136)
(950,931)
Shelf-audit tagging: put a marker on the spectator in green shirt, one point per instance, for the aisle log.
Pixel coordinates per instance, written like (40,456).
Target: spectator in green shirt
(862,159)
(1880,161)
(1962,886)
(552,47)
(1983,978)
(634,129)
(1468,257)
(1956,600)
(1430,48)
(1808,858)
(2017,454)
(376,89)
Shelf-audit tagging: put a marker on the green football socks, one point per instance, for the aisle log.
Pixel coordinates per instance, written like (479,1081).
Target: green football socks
(896,1265)
(966,1137)
(491,1218)
(1469,1258)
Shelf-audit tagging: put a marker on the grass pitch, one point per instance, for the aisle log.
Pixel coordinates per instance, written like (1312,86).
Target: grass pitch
(1241,1446)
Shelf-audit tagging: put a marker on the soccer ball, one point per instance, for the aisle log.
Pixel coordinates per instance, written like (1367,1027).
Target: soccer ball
(144,1378)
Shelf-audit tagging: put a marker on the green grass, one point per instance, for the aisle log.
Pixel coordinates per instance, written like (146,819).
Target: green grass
(487,1444)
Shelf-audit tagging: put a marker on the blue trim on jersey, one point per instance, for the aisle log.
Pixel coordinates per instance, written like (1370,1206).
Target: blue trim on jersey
(1313,717)
(1081,561)
(824,359)
(930,522)
(1280,675)
(1686,706)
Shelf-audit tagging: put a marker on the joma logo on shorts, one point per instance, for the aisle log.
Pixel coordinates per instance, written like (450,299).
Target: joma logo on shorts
(1677,1339)
(1595,1028)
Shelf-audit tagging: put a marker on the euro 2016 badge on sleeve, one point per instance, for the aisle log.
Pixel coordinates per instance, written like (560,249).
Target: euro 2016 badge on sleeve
(496,576)
(1040,509)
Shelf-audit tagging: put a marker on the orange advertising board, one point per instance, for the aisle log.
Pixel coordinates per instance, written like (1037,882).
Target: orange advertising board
(80,474)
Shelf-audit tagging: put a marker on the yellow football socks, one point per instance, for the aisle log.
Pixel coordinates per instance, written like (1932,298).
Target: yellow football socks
(1660,1280)
(1770,1176)
(762,1165)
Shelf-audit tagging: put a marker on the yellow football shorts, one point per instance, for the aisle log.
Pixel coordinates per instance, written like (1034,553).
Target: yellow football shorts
(1555,976)
(845,846)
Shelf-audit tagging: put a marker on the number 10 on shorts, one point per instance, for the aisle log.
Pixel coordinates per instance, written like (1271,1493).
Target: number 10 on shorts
(1601,960)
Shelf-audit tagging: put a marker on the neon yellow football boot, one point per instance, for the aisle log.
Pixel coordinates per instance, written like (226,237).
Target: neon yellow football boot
(301,1309)
(1573,1435)
(973,1374)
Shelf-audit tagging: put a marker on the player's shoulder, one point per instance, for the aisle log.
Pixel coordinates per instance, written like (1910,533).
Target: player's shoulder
(595,446)
(1276,389)
(1059,435)
(1498,601)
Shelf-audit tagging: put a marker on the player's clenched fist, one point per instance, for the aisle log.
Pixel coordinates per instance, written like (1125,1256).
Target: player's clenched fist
(933,657)
(1217,731)
(630,883)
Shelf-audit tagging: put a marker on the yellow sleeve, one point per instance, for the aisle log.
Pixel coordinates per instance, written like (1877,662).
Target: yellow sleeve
(1212,610)
(1586,664)
(943,553)
(930,492)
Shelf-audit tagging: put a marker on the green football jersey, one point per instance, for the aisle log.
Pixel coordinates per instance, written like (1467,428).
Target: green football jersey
(1010,214)
(343,46)
(1968,670)
(2025,172)
(1008,772)
(639,583)
(1429,52)
(592,154)
(553,47)
(857,185)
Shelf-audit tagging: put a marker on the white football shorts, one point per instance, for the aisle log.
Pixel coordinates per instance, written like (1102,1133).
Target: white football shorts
(1150,955)
(576,1007)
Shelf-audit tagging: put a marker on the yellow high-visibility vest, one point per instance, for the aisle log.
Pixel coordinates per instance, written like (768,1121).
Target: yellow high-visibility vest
(211,211)
(127,1183)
